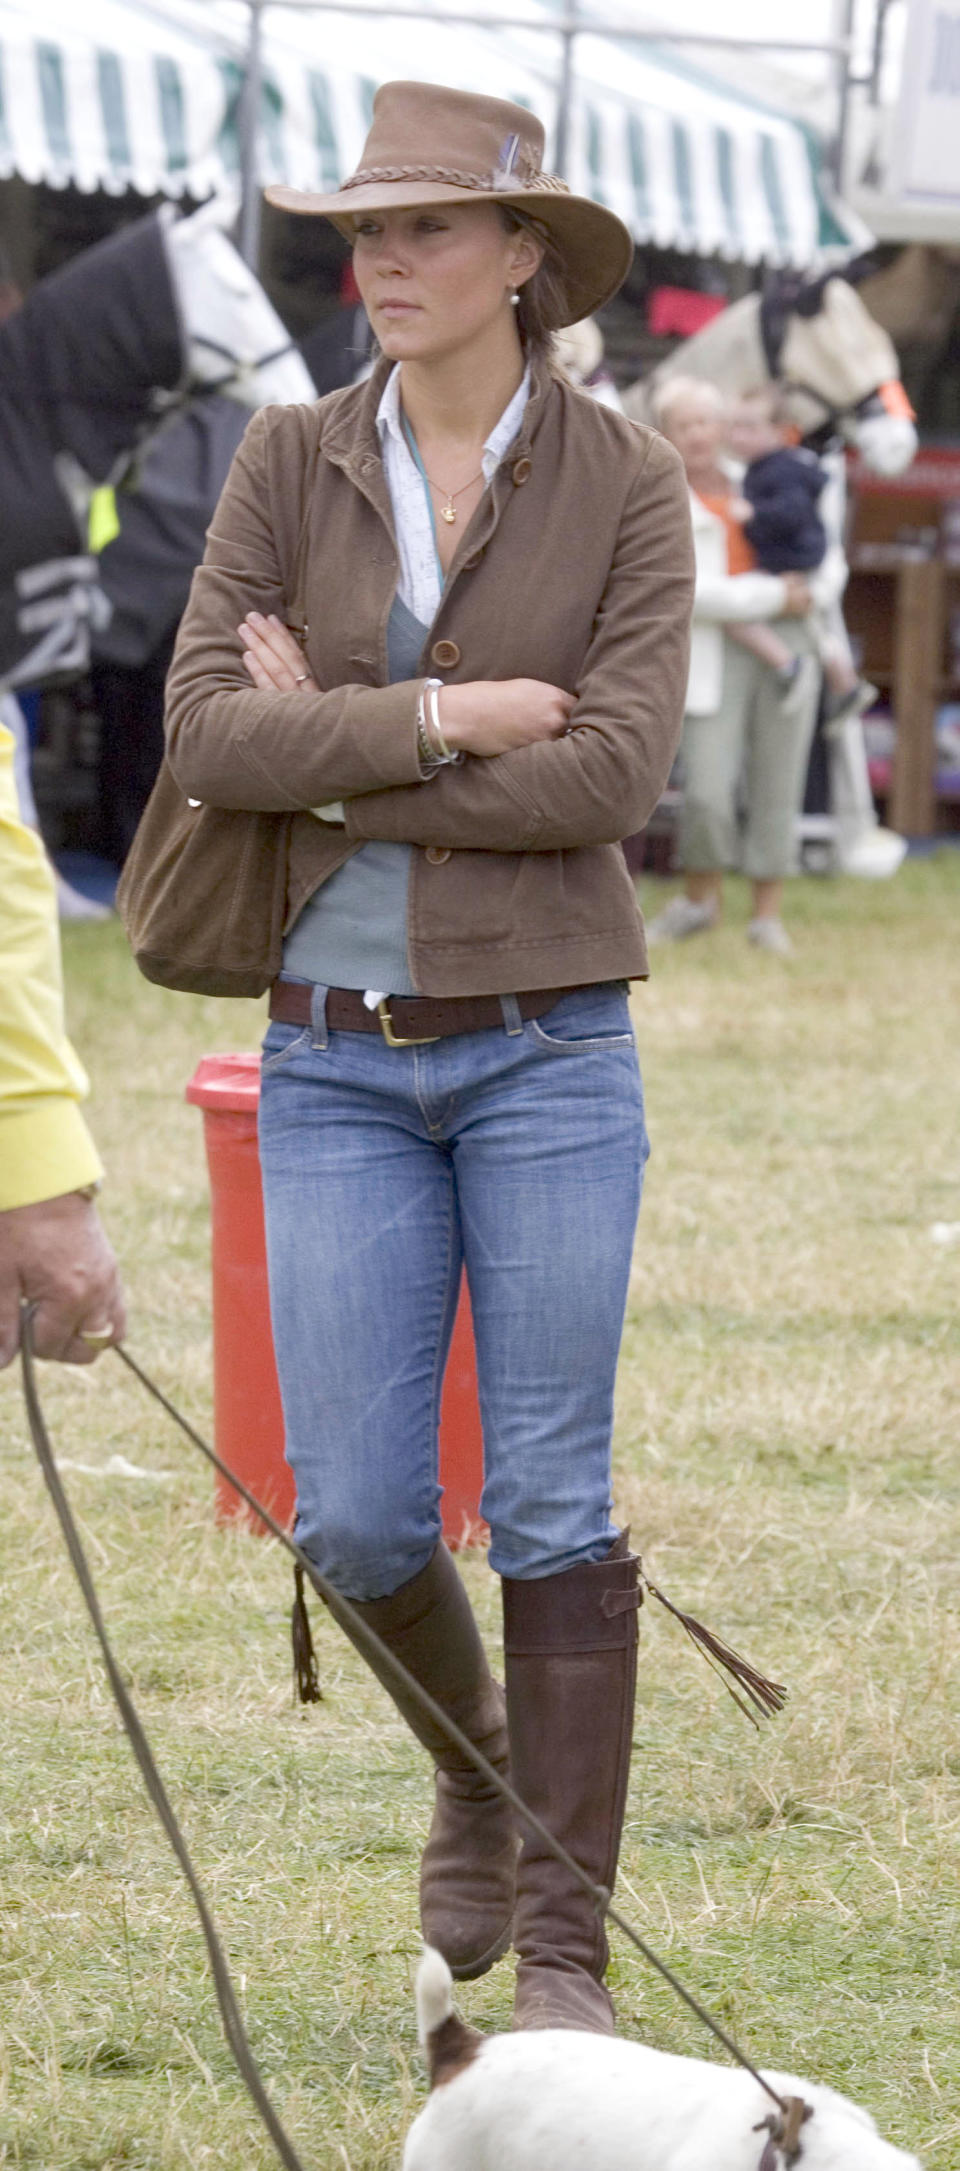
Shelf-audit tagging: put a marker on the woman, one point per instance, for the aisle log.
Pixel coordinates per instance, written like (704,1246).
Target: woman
(742,733)
(462,593)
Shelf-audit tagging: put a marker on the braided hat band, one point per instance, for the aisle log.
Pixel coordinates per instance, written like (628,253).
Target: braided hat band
(431,145)
(457,178)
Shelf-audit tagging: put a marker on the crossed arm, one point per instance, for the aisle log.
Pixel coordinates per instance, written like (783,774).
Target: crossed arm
(547,768)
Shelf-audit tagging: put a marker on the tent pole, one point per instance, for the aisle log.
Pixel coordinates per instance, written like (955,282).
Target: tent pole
(561,155)
(249,121)
(843,24)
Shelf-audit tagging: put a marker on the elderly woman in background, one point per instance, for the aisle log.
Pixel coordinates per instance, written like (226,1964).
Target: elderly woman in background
(745,739)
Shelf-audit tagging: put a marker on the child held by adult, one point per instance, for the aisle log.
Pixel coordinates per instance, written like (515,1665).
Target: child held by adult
(778,507)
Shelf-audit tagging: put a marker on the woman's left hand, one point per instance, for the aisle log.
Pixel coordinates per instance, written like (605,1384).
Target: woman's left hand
(273,657)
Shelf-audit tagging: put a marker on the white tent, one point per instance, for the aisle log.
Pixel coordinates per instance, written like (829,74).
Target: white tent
(146,94)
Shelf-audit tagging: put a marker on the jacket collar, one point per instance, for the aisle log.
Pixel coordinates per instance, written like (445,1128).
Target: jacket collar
(349,438)
(496,446)
(348,427)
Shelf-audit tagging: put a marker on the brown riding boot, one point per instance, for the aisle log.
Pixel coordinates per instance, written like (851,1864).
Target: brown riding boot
(570,1642)
(468,1873)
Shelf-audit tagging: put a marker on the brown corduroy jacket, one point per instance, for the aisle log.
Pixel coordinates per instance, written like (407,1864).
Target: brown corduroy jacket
(577,568)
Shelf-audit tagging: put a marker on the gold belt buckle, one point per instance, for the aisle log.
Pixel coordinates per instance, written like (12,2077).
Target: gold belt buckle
(394,1040)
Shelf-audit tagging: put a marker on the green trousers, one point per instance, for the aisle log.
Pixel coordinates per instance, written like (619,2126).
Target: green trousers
(744,768)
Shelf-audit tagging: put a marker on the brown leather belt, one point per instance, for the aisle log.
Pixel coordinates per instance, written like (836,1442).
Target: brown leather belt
(405,1020)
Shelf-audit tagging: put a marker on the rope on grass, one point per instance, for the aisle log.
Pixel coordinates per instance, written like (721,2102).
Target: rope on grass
(226,1998)
(791,2110)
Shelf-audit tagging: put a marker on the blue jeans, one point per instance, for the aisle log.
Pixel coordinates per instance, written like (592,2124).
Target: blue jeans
(518,1151)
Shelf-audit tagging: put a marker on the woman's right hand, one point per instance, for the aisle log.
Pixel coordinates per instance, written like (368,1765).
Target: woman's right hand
(798,601)
(493,716)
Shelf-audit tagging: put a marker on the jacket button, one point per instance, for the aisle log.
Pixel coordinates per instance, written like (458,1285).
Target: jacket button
(438,854)
(446,654)
(522,471)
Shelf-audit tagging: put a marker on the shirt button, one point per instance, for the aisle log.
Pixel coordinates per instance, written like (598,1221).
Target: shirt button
(438,854)
(522,471)
(446,654)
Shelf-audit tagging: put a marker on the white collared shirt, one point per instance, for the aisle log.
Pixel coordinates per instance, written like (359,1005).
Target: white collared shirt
(420,584)
(420,587)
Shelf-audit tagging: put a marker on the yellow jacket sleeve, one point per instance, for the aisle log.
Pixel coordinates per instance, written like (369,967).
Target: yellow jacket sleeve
(45,1147)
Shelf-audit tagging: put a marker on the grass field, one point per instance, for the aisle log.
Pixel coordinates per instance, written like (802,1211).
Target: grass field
(787,1454)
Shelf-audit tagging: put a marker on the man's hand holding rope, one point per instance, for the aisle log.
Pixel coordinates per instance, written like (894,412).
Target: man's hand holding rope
(55,1257)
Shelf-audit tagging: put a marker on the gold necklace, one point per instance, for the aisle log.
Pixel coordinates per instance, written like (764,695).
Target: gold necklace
(448,511)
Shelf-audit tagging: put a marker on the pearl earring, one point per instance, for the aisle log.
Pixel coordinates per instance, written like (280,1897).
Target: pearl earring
(515,301)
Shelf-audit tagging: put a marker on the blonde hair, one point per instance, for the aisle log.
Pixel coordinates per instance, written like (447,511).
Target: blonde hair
(675,390)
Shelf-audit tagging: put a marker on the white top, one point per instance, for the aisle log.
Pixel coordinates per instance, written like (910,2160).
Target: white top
(420,584)
(724,598)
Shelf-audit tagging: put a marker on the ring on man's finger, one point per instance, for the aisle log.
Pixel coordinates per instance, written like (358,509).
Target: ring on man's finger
(96,1337)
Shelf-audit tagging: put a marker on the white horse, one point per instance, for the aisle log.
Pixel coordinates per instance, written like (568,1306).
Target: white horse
(814,338)
(234,340)
(100,356)
(839,371)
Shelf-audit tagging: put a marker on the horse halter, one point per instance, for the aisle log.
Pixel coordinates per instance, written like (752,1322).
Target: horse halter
(826,434)
(786,294)
(238,370)
(179,402)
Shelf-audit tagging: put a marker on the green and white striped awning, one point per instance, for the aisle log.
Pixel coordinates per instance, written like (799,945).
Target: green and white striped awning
(146,94)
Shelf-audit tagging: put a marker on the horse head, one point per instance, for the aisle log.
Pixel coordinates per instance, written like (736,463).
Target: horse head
(235,341)
(101,355)
(837,364)
(816,338)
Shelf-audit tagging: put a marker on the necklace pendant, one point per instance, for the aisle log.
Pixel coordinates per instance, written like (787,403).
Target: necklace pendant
(448,513)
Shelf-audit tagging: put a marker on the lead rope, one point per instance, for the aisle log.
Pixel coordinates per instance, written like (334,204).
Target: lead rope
(232,2024)
(783,2129)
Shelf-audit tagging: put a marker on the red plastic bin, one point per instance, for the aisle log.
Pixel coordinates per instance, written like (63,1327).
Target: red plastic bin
(247,1418)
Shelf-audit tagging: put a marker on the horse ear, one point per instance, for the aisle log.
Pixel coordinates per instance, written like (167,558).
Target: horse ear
(809,301)
(859,267)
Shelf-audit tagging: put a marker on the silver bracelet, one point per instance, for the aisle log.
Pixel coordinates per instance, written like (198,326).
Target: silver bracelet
(432,749)
(427,754)
(434,688)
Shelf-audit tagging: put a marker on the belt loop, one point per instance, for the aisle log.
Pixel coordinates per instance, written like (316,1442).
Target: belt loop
(512,1021)
(318,1015)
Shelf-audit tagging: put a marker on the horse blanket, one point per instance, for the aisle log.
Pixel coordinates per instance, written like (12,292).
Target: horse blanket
(80,365)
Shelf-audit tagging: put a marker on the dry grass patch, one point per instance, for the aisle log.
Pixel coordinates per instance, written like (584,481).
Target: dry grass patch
(787,1454)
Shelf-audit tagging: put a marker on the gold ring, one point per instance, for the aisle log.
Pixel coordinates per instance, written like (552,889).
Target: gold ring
(96,1337)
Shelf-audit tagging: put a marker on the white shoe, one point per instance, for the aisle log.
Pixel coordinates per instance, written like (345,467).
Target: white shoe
(680,918)
(770,934)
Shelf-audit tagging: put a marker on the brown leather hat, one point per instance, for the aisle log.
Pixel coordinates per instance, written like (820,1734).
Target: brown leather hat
(430,145)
